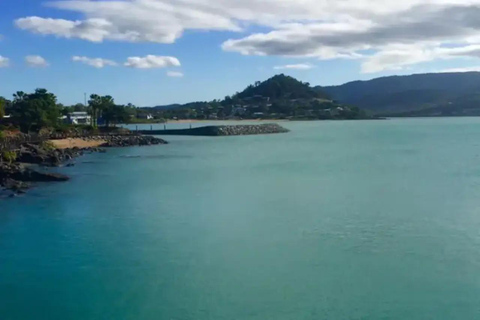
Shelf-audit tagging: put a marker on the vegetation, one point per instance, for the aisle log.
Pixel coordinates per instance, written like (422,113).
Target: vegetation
(31,112)
(281,97)
(9,156)
(39,111)
(278,97)
(47,145)
(280,87)
(2,107)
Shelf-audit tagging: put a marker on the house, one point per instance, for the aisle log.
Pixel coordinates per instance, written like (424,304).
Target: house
(79,117)
(238,111)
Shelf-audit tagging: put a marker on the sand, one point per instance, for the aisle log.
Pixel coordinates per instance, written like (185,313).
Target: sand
(79,143)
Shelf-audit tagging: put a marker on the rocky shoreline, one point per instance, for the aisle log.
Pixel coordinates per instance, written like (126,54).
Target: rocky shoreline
(19,175)
(231,130)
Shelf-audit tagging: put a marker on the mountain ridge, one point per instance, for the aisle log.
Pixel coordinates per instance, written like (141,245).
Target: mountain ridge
(456,92)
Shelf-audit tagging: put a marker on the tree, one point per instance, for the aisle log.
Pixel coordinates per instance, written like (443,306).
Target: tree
(19,96)
(36,110)
(2,107)
(100,105)
(94,104)
(114,114)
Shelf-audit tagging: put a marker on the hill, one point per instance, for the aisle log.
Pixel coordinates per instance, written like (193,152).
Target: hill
(281,97)
(282,87)
(435,94)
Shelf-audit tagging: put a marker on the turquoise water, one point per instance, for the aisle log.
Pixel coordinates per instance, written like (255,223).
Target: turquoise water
(335,220)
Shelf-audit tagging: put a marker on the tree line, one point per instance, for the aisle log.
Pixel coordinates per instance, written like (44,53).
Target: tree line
(30,112)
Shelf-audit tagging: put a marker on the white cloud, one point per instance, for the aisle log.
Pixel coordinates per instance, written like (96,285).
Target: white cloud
(401,56)
(371,30)
(175,74)
(36,61)
(151,61)
(301,66)
(94,62)
(4,62)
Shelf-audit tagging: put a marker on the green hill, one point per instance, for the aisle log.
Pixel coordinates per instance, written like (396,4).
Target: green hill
(281,97)
(282,87)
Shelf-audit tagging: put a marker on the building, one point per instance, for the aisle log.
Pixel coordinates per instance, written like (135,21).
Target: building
(79,117)
(238,111)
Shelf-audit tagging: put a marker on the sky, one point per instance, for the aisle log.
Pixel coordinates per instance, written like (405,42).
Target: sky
(156,52)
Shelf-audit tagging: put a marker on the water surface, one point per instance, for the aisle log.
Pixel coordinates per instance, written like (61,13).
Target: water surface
(335,220)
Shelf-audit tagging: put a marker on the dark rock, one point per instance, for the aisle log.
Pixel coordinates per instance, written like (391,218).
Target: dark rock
(36,176)
(132,140)
(18,178)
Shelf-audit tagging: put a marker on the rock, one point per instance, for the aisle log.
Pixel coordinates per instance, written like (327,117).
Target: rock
(132,140)
(18,178)
(235,130)
(30,175)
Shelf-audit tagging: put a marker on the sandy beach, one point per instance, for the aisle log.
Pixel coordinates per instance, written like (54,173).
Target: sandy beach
(76,143)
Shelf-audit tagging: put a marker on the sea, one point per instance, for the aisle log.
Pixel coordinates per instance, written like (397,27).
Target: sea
(345,220)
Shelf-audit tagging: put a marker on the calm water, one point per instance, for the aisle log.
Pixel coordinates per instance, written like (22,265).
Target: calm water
(336,220)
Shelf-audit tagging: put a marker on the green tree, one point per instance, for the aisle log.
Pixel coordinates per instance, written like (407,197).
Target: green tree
(36,110)
(94,104)
(114,114)
(2,107)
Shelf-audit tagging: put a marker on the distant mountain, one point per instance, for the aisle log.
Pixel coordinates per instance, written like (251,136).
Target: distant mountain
(167,107)
(435,94)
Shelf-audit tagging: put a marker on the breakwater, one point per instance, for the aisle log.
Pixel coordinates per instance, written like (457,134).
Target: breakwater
(233,130)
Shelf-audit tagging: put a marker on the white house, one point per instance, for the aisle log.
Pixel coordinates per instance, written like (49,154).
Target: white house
(79,117)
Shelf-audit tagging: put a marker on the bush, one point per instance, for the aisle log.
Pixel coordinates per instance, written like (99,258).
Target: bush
(9,156)
(47,145)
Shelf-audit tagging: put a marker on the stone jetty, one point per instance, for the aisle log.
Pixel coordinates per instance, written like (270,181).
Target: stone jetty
(231,130)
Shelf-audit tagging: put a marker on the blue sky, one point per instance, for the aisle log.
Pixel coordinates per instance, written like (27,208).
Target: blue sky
(201,50)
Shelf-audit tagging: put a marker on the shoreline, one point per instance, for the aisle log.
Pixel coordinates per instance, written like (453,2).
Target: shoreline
(24,169)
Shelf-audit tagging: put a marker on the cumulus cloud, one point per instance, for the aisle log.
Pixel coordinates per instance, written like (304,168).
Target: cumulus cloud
(175,74)
(369,30)
(94,62)
(4,62)
(400,56)
(300,66)
(36,61)
(151,62)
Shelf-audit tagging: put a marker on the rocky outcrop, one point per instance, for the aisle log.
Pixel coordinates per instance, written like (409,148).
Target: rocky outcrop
(48,156)
(18,177)
(236,130)
(129,141)
(241,130)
